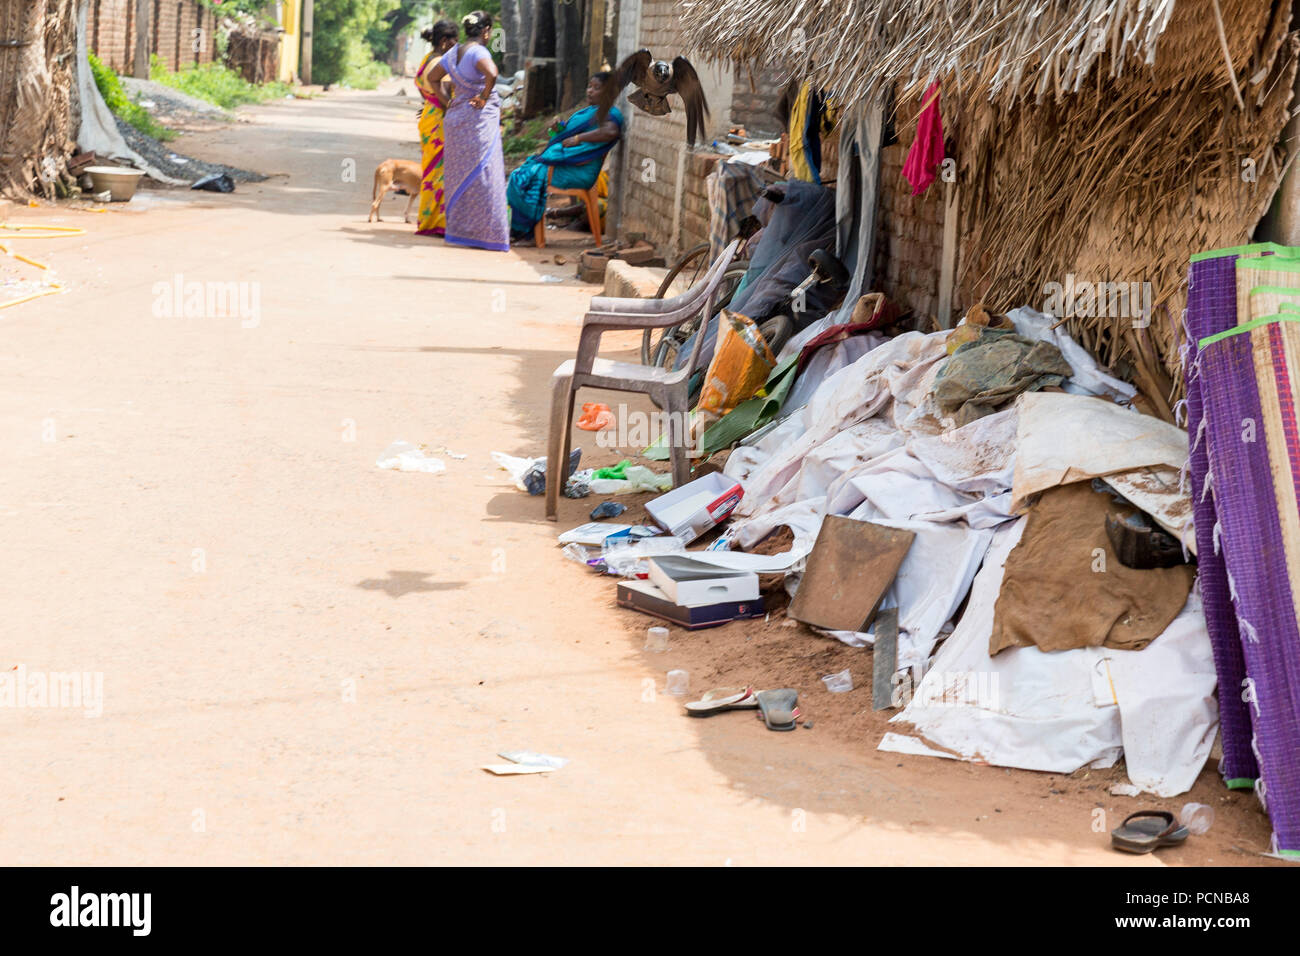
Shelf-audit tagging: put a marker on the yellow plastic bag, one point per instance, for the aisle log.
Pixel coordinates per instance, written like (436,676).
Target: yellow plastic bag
(741,363)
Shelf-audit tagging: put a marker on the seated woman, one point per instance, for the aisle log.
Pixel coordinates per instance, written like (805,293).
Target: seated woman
(575,153)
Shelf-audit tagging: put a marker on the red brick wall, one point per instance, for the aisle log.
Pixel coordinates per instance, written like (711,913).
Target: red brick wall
(110,31)
(909,229)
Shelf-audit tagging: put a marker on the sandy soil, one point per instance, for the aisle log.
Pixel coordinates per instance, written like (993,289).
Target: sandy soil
(307,659)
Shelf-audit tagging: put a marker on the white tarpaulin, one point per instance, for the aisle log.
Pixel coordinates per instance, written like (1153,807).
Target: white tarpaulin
(1064,710)
(869,444)
(1065,438)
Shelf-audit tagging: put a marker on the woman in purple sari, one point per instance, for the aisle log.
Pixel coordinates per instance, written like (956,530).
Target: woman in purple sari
(474,170)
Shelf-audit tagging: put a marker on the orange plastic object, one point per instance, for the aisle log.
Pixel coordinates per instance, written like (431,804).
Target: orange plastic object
(595,416)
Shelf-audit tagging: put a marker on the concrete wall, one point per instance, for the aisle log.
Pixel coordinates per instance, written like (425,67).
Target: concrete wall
(290,40)
(177,28)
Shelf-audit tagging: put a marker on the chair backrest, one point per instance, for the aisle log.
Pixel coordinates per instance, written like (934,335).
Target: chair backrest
(713,281)
(708,283)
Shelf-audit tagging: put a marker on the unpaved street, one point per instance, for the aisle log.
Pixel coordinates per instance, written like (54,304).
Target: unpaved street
(307,659)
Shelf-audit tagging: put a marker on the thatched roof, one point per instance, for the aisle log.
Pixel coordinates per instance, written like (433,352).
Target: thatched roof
(1004,49)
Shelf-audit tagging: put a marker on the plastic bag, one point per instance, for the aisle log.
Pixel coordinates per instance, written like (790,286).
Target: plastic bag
(741,364)
(407,456)
(637,478)
(529,474)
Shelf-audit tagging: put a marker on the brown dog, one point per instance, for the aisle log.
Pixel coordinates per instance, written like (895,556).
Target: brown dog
(395,174)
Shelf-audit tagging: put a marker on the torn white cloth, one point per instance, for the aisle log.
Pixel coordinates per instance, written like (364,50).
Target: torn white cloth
(853,394)
(825,362)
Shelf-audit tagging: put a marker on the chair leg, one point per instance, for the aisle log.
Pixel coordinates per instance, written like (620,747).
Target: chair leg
(557,456)
(539,233)
(674,406)
(593,214)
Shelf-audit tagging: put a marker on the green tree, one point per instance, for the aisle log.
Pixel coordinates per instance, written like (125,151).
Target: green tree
(410,16)
(339,47)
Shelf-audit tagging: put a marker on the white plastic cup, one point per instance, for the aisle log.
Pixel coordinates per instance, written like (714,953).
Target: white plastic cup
(656,640)
(678,682)
(1197,817)
(840,683)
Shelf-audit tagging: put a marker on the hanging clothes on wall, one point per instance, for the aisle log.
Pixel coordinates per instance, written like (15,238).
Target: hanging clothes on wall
(926,154)
(800,168)
(810,120)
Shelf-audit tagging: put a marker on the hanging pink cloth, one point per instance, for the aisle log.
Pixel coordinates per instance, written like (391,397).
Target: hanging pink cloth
(927,149)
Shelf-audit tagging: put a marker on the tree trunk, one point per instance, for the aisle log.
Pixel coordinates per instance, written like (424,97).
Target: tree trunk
(38,49)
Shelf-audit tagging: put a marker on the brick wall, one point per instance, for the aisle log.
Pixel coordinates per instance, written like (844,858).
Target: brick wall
(909,229)
(177,28)
(656,146)
(754,106)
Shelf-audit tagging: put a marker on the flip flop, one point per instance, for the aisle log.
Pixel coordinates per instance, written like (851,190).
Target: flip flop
(1144,831)
(777,708)
(723,698)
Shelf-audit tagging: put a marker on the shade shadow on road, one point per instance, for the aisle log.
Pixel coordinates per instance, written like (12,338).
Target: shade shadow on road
(399,583)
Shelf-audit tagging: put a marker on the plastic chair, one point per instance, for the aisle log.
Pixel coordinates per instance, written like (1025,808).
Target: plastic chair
(586,195)
(669,389)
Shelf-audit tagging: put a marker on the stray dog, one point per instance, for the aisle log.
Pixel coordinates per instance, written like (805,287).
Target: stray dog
(395,174)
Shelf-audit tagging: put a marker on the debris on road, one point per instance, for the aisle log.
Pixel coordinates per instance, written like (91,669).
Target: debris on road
(405,456)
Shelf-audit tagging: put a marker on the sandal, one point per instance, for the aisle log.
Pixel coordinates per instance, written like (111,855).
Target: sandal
(777,708)
(723,698)
(1146,830)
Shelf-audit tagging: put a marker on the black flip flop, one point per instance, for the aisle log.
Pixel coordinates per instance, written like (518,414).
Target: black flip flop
(1146,830)
(777,708)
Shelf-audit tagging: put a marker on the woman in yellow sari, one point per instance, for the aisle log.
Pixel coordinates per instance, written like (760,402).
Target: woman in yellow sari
(442,37)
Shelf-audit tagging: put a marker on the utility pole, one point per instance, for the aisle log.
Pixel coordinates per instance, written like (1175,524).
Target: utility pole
(304,61)
(142,29)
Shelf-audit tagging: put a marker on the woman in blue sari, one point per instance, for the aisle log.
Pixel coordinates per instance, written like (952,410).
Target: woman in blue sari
(575,153)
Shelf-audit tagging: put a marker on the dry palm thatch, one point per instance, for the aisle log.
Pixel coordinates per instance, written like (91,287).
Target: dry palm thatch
(1108,139)
(1000,49)
(38,44)
(1117,186)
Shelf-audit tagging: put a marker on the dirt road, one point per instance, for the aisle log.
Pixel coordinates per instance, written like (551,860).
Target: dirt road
(306,659)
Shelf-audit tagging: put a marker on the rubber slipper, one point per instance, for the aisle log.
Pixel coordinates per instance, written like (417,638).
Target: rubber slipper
(1144,831)
(777,708)
(723,698)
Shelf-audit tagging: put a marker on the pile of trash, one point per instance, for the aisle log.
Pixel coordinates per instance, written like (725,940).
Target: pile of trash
(988,503)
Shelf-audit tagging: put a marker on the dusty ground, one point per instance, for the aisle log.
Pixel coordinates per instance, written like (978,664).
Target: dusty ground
(307,659)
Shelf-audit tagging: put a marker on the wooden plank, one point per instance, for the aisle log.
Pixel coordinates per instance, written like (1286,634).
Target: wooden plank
(851,567)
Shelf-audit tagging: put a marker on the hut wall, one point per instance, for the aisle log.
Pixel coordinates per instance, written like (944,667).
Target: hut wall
(909,230)
(674,217)
(754,104)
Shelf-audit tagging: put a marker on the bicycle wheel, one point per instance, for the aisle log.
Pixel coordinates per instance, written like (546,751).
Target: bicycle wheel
(670,341)
(688,269)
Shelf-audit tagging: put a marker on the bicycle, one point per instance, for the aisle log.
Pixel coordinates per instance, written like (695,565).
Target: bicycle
(660,347)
